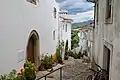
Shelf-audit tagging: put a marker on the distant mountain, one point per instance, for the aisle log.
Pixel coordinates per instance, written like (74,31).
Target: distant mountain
(81,24)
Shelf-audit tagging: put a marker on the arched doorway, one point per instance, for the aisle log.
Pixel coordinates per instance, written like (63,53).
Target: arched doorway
(33,48)
(66,46)
(66,50)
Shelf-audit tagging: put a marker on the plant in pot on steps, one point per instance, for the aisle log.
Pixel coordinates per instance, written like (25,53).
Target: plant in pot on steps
(48,62)
(30,71)
(59,56)
(41,67)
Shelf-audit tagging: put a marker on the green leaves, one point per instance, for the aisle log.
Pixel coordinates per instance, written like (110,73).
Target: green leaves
(11,76)
(30,71)
(48,62)
(74,39)
(3,77)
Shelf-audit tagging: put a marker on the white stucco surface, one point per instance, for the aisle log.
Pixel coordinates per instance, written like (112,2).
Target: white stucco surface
(65,29)
(83,40)
(17,19)
(108,34)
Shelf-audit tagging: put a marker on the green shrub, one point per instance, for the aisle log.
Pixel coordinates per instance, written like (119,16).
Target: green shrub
(74,39)
(70,53)
(29,73)
(80,55)
(30,70)
(12,76)
(75,55)
(59,55)
(85,53)
(3,77)
(48,60)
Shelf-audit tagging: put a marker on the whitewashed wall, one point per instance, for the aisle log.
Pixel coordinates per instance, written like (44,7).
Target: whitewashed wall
(83,40)
(108,35)
(65,35)
(17,19)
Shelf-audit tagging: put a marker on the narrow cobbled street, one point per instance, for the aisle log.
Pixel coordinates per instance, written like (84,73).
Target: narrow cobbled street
(75,70)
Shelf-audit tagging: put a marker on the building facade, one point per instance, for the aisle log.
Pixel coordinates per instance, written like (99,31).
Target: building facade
(83,44)
(65,30)
(29,28)
(65,27)
(86,38)
(106,47)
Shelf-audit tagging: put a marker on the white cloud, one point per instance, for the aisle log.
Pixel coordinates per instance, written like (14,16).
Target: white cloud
(70,4)
(80,10)
(84,16)
(81,4)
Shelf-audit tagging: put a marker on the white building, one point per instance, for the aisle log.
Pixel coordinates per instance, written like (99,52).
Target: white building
(86,38)
(106,47)
(90,38)
(65,28)
(83,44)
(28,28)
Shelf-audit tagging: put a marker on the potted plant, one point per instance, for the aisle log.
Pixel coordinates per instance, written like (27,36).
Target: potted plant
(58,56)
(30,71)
(48,62)
(41,67)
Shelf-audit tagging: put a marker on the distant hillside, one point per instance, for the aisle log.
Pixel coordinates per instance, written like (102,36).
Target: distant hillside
(81,24)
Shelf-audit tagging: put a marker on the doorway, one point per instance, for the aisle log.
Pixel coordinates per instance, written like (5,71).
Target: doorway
(33,48)
(66,46)
(106,60)
(66,50)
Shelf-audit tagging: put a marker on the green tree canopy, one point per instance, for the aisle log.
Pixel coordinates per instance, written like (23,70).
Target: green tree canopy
(74,39)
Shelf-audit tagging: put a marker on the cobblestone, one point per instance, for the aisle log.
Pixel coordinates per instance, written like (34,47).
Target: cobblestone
(75,70)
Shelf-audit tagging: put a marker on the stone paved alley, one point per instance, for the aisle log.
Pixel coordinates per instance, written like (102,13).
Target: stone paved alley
(75,70)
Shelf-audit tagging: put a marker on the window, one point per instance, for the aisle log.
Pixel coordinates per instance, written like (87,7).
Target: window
(55,11)
(63,26)
(108,17)
(97,12)
(66,28)
(33,1)
(53,35)
(108,9)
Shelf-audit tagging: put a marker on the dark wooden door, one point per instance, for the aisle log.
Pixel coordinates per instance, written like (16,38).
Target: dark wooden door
(30,50)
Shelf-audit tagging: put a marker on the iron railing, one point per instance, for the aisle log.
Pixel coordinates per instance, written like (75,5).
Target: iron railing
(45,76)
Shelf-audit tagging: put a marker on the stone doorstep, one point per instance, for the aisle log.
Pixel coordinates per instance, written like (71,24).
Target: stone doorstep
(52,75)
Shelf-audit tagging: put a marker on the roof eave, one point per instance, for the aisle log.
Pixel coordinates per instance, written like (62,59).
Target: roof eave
(92,1)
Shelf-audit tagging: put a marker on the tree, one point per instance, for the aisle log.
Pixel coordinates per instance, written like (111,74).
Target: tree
(74,39)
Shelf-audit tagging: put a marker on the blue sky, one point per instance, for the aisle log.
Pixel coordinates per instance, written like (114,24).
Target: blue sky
(79,10)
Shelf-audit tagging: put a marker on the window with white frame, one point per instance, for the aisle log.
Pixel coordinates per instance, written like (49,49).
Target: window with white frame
(55,11)
(108,16)
(97,11)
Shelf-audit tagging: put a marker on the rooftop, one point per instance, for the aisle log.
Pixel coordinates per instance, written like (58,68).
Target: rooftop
(93,1)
